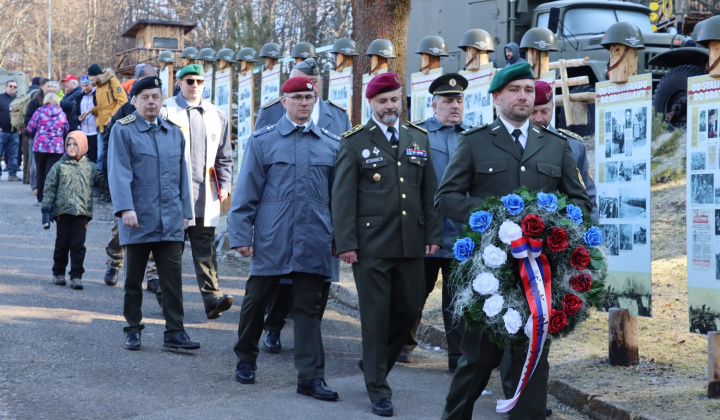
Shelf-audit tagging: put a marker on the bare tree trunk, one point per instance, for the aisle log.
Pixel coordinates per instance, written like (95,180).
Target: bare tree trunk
(378,19)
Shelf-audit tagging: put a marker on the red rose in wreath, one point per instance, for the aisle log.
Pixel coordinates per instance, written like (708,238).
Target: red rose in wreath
(532,225)
(581,283)
(557,240)
(571,304)
(558,321)
(580,258)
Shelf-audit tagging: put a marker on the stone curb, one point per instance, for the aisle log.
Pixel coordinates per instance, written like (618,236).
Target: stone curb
(567,394)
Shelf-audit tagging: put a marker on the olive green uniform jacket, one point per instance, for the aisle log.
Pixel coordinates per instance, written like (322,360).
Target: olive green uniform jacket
(382,204)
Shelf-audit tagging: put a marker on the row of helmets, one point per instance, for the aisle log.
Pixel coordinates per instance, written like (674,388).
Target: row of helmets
(538,38)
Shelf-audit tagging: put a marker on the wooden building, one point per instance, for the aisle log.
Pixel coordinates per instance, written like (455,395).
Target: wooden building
(151,38)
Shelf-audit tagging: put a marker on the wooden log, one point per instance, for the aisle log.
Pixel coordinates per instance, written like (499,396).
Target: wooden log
(377,63)
(342,61)
(576,62)
(575,112)
(171,79)
(429,62)
(270,63)
(713,364)
(539,60)
(623,338)
(624,61)
(714,58)
(586,97)
(576,81)
(474,58)
(188,61)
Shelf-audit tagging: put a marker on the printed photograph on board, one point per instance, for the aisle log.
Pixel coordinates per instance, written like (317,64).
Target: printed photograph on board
(608,207)
(626,239)
(639,235)
(697,161)
(625,173)
(633,204)
(611,238)
(702,189)
(629,290)
(611,172)
(639,171)
(712,124)
(640,127)
(618,133)
(704,309)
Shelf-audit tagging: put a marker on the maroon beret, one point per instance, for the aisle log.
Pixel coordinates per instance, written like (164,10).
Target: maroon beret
(386,82)
(543,92)
(297,84)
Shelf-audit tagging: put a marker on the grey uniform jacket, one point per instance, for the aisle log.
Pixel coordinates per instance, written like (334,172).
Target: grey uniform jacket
(281,204)
(443,142)
(579,151)
(147,175)
(332,118)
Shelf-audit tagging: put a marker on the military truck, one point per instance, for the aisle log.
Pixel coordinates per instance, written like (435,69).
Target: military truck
(579,26)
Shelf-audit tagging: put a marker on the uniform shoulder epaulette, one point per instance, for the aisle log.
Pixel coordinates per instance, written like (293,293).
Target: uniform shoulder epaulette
(337,105)
(418,122)
(352,131)
(418,127)
(571,134)
(127,120)
(263,130)
(547,130)
(474,129)
(269,103)
(329,134)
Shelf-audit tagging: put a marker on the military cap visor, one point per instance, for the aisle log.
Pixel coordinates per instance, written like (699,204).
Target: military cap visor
(451,84)
(517,71)
(192,69)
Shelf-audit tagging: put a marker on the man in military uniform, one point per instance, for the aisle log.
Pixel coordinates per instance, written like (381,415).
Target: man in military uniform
(210,164)
(494,160)
(151,192)
(280,217)
(327,115)
(443,128)
(385,224)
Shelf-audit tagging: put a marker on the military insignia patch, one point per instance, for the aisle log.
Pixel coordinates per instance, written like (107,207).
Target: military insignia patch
(366,153)
(580,178)
(127,120)
(352,131)
(452,82)
(419,128)
(376,151)
(268,103)
(377,177)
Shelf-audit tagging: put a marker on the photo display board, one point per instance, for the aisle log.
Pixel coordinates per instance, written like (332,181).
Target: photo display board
(421,99)
(208,91)
(703,204)
(366,111)
(270,85)
(245,112)
(622,167)
(164,76)
(340,88)
(223,92)
(478,101)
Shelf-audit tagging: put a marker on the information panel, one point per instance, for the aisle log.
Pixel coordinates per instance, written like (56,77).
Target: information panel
(421,99)
(340,88)
(270,85)
(222,92)
(478,101)
(208,91)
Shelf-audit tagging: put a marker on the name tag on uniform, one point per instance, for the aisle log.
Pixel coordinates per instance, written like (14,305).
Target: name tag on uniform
(374,160)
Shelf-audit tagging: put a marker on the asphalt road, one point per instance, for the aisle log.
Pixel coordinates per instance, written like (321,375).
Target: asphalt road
(61,354)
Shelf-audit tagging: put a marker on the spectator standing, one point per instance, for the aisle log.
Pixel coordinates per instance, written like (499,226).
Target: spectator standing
(512,54)
(9,138)
(44,87)
(49,124)
(72,92)
(68,199)
(86,120)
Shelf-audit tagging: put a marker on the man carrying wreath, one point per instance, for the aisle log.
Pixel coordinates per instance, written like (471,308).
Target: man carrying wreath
(495,160)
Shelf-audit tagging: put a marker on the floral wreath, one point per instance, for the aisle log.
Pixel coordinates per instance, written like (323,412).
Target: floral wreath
(488,291)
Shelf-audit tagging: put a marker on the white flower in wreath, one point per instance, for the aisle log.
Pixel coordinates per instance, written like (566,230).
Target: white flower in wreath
(529,327)
(509,231)
(485,284)
(493,256)
(493,305)
(513,321)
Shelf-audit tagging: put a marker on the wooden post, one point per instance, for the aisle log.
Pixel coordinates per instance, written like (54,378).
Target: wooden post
(188,61)
(623,338)
(474,58)
(713,364)
(377,63)
(539,60)
(342,61)
(429,62)
(623,63)
(714,48)
(270,63)
(575,112)
(299,59)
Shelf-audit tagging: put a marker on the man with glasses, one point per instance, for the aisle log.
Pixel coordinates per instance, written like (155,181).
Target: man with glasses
(209,160)
(280,217)
(9,137)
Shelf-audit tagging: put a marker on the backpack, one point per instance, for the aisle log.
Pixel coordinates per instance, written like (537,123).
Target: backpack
(17,110)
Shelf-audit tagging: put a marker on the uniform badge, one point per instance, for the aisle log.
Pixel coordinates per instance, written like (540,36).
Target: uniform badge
(377,177)
(366,153)
(376,151)
(452,82)
(309,86)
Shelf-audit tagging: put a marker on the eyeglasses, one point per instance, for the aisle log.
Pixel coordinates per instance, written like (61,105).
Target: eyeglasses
(12,87)
(191,82)
(300,98)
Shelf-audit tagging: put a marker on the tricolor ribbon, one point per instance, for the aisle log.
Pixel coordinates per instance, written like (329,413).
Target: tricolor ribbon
(535,275)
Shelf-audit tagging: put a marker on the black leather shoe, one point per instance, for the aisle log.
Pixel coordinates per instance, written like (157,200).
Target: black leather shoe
(111,276)
(180,340)
(383,407)
(272,343)
(404,356)
(317,388)
(132,341)
(245,372)
(218,306)
(152,285)
(548,411)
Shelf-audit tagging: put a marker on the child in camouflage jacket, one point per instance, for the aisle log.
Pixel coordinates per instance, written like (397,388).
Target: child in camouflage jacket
(68,200)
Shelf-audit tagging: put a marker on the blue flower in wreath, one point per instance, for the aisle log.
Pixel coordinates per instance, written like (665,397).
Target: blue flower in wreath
(547,201)
(574,213)
(593,237)
(463,248)
(480,221)
(513,204)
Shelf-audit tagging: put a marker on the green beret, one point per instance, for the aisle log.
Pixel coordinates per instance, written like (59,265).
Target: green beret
(191,69)
(507,74)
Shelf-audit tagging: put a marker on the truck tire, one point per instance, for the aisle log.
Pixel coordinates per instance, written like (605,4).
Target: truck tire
(670,96)
(583,130)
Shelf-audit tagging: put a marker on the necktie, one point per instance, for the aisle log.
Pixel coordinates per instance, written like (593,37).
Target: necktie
(394,142)
(154,126)
(516,134)
(300,128)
